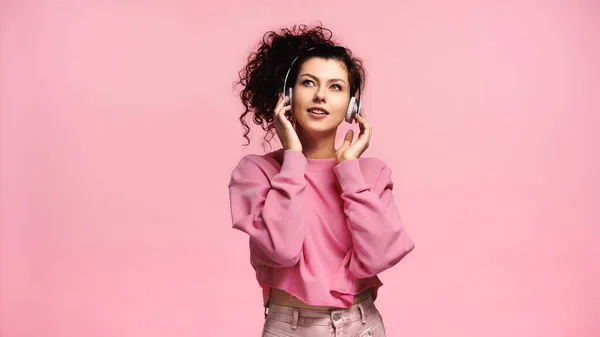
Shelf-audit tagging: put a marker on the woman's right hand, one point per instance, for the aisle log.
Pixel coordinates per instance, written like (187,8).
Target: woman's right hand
(285,130)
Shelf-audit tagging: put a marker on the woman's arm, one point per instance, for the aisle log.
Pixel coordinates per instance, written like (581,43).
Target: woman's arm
(270,211)
(378,235)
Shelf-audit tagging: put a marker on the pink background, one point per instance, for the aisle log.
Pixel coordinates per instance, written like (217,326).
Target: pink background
(118,132)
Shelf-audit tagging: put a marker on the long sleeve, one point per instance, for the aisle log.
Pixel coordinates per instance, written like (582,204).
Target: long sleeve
(270,211)
(379,240)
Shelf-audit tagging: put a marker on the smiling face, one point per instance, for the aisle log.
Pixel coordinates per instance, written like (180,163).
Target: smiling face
(321,95)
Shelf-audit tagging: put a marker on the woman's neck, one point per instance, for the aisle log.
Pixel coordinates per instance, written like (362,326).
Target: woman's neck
(318,147)
(318,153)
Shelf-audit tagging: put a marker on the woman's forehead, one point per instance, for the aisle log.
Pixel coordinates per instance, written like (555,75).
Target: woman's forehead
(324,68)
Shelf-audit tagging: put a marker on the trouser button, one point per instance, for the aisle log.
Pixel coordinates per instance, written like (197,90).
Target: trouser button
(336,317)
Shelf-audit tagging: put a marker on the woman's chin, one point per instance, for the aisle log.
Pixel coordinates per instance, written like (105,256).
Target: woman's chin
(317,125)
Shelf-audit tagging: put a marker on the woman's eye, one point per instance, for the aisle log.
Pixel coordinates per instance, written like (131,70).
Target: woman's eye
(337,86)
(306,82)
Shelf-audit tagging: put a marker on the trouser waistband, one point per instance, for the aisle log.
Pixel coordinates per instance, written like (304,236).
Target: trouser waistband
(332,317)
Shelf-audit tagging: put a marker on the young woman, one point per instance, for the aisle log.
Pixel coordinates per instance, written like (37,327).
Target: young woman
(321,220)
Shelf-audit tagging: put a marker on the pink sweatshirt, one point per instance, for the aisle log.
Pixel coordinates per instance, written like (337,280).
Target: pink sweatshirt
(319,230)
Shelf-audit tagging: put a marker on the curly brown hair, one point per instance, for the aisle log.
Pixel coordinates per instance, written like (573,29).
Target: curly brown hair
(263,76)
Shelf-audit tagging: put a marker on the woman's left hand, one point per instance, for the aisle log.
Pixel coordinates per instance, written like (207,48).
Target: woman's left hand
(354,151)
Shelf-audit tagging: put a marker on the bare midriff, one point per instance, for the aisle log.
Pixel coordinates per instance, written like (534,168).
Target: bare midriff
(282,297)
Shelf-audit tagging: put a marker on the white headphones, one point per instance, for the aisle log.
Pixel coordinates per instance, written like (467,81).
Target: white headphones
(353,106)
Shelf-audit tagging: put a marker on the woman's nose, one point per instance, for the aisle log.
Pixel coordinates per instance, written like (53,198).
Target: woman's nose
(319,95)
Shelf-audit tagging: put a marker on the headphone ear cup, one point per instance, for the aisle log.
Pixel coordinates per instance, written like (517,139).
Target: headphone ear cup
(291,95)
(352,110)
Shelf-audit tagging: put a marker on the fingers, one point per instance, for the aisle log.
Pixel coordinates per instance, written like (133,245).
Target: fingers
(361,116)
(348,138)
(281,117)
(365,127)
(282,114)
(361,119)
(281,105)
(280,111)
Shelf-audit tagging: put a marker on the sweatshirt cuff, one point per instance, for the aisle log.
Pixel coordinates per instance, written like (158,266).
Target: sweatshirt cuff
(349,175)
(294,163)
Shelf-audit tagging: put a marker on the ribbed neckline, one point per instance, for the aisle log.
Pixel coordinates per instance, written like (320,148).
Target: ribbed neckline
(326,164)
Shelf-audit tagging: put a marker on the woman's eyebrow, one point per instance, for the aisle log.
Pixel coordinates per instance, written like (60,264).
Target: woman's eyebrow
(316,78)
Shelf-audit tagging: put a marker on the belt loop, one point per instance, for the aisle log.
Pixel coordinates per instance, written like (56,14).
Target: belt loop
(266,312)
(295,316)
(363,319)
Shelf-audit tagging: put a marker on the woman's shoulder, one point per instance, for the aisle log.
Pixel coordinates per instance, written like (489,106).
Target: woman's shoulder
(376,172)
(264,162)
(372,164)
(268,158)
